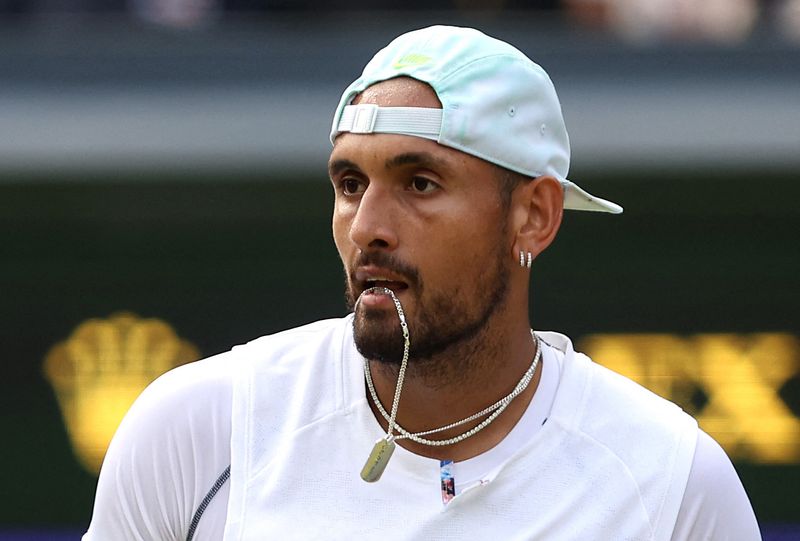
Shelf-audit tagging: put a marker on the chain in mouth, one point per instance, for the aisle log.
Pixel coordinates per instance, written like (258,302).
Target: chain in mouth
(383,287)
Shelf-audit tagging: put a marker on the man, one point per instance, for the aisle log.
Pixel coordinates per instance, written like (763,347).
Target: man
(433,411)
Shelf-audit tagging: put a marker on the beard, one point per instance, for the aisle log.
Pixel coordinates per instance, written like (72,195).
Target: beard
(440,321)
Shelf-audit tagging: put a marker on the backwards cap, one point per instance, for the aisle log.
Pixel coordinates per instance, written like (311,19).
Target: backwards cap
(497,105)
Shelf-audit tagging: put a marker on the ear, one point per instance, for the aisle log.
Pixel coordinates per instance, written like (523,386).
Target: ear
(538,209)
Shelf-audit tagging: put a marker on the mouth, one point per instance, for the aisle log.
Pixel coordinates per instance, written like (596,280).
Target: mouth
(379,287)
(371,281)
(381,295)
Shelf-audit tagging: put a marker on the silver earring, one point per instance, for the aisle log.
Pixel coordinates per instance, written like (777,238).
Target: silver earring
(521,258)
(530,259)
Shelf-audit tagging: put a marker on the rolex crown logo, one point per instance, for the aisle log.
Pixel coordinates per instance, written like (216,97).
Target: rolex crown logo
(101,368)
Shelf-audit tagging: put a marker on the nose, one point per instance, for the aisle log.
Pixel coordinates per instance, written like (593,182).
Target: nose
(374,224)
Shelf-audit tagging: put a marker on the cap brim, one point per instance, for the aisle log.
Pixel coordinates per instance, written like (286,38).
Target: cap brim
(576,198)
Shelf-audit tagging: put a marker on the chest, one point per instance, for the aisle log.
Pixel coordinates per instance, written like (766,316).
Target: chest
(311,489)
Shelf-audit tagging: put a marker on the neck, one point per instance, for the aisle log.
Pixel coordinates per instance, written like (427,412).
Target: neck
(464,379)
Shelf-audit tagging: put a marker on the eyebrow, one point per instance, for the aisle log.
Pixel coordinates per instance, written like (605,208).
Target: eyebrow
(337,166)
(424,159)
(415,158)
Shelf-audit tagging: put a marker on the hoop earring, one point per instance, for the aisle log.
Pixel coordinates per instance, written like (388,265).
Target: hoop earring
(521,258)
(530,260)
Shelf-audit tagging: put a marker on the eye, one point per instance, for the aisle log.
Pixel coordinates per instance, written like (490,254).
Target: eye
(423,185)
(351,186)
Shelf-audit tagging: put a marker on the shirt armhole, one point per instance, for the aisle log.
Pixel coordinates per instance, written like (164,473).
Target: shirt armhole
(198,514)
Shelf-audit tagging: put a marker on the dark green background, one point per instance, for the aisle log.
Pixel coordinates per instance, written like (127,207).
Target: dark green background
(227,257)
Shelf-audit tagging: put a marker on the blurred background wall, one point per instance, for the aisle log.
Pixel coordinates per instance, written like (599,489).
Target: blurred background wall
(163,196)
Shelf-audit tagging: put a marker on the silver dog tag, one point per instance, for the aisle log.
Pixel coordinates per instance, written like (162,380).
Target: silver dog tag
(377,461)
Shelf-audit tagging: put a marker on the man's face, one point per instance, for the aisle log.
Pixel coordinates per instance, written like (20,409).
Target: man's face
(426,222)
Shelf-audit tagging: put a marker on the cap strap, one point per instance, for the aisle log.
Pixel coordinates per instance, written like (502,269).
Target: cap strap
(369,118)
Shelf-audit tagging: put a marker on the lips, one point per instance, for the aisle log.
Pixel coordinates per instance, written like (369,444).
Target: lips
(373,277)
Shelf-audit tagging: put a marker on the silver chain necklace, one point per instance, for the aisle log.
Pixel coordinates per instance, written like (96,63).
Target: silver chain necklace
(495,409)
(384,447)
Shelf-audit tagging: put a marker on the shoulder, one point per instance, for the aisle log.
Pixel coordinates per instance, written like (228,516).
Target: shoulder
(608,405)
(172,445)
(191,404)
(175,440)
(715,504)
(616,425)
(187,406)
(204,384)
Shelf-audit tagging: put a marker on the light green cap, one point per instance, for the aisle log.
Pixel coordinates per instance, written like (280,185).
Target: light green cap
(497,105)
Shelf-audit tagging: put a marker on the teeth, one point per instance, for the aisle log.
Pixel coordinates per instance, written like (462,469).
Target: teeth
(377,289)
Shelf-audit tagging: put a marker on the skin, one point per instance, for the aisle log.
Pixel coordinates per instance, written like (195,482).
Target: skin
(431,220)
